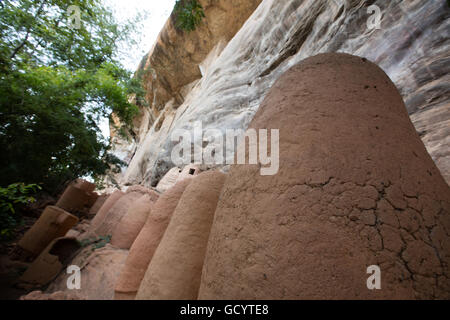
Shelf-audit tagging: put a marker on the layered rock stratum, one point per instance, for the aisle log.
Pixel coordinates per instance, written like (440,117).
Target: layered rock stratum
(220,73)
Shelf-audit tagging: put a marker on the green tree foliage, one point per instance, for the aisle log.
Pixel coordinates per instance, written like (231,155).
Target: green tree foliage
(188,14)
(56,83)
(11,198)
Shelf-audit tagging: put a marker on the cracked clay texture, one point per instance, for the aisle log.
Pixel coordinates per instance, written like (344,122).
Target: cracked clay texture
(356,187)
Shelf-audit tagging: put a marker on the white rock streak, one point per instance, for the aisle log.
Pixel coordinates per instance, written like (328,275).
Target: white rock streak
(279,34)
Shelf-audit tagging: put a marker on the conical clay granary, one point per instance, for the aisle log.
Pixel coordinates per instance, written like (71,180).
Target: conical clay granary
(356,188)
(75,199)
(103,211)
(131,224)
(98,204)
(169,179)
(174,272)
(120,208)
(143,248)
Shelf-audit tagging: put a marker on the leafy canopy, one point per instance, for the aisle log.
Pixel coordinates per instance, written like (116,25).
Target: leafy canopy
(56,83)
(188,14)
(12,197)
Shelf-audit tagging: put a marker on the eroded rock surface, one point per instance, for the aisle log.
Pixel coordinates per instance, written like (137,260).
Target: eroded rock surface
(173,63)
(100,268)
(411,46)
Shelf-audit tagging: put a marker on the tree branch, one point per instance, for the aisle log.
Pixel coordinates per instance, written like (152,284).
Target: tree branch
(25,40)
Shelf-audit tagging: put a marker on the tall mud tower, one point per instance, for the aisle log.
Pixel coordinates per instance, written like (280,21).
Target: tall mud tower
(356,188)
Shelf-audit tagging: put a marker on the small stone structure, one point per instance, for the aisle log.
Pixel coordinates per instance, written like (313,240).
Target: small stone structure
(75,199)
(98,204)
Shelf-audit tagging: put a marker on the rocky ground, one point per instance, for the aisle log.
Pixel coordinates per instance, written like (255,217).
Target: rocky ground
(10,268)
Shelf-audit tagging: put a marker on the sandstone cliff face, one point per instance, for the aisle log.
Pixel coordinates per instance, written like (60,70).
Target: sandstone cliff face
(220,78)
(173,62)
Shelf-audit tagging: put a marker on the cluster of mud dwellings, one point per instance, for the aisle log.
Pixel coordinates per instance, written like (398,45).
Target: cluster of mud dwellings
(58,235)
(356,188)
(48,242)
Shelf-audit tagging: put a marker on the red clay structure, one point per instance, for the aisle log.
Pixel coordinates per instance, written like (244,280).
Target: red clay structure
(356,188)
(131,224)
(50,262)
(74,199)
(120,208)
(98,204)
(53,223)
(85,185)
(103,211)
(146,243)
(174,272)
